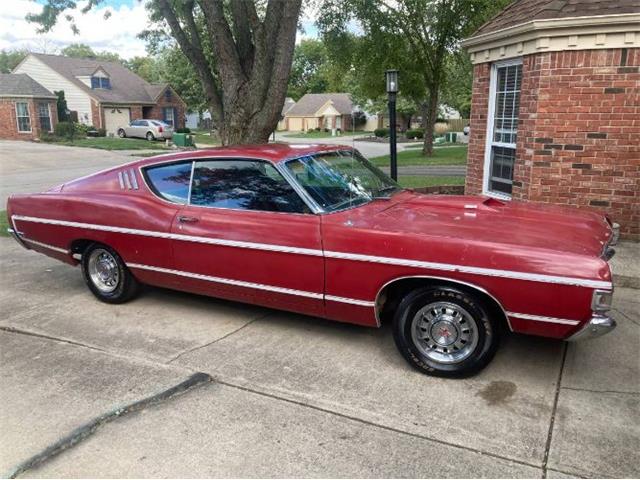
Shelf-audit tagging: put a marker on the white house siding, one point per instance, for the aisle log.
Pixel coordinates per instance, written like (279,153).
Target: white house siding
(86,79)
(76,99)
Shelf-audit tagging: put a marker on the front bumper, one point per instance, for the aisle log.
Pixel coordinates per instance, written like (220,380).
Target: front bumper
(596,327)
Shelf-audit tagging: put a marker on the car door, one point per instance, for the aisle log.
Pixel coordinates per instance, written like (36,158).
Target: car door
(130,130)
(247,235)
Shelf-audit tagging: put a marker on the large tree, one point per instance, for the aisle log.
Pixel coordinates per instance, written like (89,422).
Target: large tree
(252,42)
(417,35)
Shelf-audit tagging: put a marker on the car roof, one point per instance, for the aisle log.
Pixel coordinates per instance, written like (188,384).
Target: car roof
(273,152)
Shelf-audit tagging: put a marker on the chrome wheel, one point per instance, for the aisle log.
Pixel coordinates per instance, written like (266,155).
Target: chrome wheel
(444,332)
(103,270)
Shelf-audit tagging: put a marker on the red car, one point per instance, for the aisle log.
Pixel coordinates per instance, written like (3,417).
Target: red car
(320,231)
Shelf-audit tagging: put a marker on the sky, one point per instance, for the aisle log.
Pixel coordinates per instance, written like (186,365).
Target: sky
(115,34)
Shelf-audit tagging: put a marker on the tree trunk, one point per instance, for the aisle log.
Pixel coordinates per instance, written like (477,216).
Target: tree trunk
(431,116)
(247,84)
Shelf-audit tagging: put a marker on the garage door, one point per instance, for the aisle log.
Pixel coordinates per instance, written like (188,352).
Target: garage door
(115,118)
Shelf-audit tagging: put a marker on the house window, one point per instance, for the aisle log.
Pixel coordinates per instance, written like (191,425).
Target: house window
(44,117)
(168,115)
(502,128)
(101,82)
(22,114)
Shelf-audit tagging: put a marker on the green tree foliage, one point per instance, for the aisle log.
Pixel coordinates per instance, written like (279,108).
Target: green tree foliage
(456,91)
(415,36)
(81,50)
(9,59)
(307,71)
(146,67)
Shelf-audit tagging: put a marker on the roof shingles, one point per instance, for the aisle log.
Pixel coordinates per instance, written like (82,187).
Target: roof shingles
(310,103)
(126,86)
(522,11)
(22,85)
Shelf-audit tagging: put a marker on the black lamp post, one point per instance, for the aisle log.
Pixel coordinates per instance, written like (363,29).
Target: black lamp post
(392,90)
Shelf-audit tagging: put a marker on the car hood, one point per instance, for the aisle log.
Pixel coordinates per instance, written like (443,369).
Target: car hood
(483,219)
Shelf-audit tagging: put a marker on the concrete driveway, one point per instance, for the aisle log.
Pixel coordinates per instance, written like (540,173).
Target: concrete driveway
(88,389)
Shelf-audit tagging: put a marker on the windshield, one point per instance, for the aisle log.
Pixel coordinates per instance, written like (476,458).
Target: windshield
(338,180)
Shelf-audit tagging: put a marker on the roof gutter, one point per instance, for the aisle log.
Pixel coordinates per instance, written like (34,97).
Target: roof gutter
(621,20)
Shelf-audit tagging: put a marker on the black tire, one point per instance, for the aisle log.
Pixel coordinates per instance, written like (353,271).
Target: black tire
(418,327)
(122,133)
(124,288)
(150,136)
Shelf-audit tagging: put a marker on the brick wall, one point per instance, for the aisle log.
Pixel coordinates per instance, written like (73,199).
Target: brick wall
(578,132)
(9,123)
(156,112)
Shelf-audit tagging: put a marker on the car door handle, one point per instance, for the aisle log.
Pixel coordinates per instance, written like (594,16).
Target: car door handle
(186,219)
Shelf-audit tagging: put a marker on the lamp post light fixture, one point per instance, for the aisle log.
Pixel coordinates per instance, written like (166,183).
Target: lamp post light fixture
(392,90)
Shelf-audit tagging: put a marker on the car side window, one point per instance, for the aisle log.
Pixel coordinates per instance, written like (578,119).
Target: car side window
(243,185)
(170,182)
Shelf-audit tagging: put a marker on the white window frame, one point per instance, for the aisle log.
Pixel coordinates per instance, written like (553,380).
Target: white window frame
(28,116)
(50,120)
(486,172)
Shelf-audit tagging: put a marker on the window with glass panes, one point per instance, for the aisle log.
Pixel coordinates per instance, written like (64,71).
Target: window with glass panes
(505,95)
(45,118)
(22,115)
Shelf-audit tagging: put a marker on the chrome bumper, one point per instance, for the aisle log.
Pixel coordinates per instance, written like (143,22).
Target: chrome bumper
(596,327)
(17,238)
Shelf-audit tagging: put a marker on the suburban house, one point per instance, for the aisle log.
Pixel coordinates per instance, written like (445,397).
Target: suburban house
(320,110)
(104,94)
(26,108)
(556,106)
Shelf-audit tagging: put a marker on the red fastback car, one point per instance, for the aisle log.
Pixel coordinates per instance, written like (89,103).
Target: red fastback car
(320,231)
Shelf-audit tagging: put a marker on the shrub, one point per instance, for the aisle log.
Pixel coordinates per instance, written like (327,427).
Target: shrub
(66,130)
(102,132)
(381,132)
(183,130)
(419,134)
(83,130)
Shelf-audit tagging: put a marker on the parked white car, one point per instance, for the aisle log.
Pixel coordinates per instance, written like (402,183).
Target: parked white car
(145,128)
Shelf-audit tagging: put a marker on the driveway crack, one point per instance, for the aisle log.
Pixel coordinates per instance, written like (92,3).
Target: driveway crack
(554,411)
(233,332)
(49,337)
(89,428)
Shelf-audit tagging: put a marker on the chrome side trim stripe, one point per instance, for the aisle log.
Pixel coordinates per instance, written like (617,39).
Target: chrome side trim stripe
(228,281)
(536,318)
(533,277)
(134,180)
(175,236)
(45,245)
(351,301)
(121,180)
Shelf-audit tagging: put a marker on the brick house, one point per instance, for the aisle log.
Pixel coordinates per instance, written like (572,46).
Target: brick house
(26,108)
(556,106)
(104,94)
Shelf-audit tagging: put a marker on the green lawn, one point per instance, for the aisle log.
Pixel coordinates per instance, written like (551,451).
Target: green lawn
(441,156)
(4,223)
(113,143)
(323,134)
(416,181)
(203,137)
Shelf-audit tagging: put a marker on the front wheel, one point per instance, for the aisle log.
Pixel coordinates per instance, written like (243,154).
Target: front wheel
(106,275)
(445,332)
(122,133)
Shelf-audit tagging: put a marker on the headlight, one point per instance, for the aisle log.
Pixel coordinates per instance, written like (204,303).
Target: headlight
(601,301)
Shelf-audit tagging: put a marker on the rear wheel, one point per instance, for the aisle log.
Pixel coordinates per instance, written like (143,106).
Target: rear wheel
(106,274)
(150,137)
(122,133)
(445,332)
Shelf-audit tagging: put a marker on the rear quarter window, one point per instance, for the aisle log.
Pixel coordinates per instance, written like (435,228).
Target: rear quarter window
(170,182)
